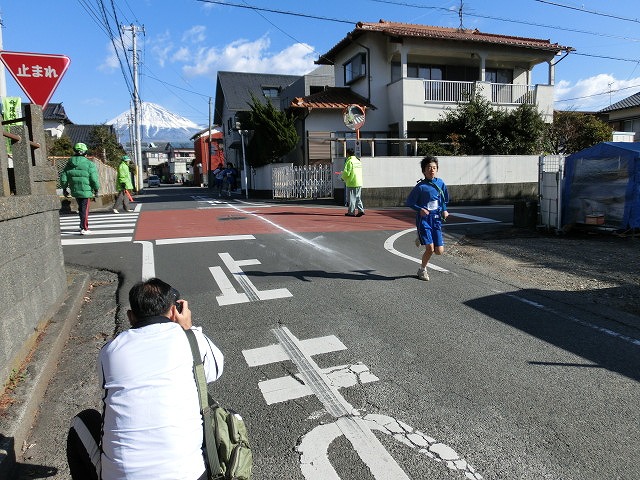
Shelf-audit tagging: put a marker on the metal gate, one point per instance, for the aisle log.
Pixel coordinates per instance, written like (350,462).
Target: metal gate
(550,177)
(307,181)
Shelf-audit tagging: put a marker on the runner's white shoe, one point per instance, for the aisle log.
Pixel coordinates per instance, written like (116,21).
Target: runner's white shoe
(86,232)
(423,275)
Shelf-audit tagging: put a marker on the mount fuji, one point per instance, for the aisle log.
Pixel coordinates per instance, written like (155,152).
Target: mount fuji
(157,124)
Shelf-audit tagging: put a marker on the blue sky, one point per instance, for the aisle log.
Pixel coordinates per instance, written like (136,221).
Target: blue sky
(185,42)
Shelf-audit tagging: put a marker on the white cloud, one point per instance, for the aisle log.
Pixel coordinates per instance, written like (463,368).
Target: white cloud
(594,93)
(183,54)
(161,48)
(110,62)
(252,56)
(196,34)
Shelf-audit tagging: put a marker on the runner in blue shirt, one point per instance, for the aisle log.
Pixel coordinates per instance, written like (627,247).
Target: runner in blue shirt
(429,200)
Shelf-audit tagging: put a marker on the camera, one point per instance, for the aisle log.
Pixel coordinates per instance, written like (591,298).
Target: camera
(176,296)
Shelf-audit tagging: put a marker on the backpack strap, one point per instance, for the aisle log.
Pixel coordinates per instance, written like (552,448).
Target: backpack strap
(440,192)
(203,397)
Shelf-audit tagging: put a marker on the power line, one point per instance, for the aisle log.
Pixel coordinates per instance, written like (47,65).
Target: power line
(282,12)
(592,12)
(509,20)
(598,94)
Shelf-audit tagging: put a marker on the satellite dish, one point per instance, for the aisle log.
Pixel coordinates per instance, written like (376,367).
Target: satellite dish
(353,117)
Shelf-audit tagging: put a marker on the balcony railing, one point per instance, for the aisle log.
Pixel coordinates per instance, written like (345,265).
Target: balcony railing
(448,91)
(444,91)
(512,93)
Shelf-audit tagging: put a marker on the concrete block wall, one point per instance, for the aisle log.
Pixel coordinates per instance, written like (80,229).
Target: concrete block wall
(32,275)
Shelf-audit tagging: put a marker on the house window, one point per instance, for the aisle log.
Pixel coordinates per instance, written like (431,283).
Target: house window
(498,75)
(396,71)
(355,68)
(427,72)
(270,92)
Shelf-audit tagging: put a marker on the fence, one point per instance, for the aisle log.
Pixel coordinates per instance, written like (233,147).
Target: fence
(307,181)
(106,174)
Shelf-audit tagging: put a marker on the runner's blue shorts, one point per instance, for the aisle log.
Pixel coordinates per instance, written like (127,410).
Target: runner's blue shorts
(430,229)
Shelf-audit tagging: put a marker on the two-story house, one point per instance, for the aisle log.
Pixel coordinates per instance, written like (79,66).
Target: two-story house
(408,75)
(233,98)
(624,116)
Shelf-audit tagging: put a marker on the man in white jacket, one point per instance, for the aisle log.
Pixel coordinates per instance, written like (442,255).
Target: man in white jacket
(151,427)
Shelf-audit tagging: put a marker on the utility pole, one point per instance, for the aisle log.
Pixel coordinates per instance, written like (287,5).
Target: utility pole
(210,180)
(136,104)
(3,80)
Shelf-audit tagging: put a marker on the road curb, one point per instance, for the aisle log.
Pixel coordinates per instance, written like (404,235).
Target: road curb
(20,416)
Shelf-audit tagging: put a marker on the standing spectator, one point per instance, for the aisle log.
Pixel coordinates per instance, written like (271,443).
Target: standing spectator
(218,175)
(352,176)
(230,174)
(429,200)
(80,175)
(123,185)
(151,425)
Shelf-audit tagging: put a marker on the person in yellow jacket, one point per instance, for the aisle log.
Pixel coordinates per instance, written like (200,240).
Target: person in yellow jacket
(352,176)
(123,185)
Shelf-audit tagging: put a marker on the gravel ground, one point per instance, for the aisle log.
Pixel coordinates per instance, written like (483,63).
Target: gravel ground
(596,267)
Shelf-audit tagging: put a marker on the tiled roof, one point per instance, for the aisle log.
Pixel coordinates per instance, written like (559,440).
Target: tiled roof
(629,102)
(234,89)
(396,29)
(82,133)
(55,111)
(331,98)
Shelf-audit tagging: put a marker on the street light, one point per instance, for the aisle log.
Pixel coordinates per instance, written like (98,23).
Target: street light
(244,159)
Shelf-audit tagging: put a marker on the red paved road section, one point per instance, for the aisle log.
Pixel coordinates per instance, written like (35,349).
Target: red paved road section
(155,225)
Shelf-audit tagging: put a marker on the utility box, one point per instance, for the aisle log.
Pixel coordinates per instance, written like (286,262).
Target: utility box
(525,214)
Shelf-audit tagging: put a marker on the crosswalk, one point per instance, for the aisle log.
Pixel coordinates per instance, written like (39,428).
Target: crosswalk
(105,228)
(204,202)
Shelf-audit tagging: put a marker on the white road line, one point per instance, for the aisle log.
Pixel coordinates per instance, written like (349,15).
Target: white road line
(275,353)
(95,225)
(473,217)
(148,260)
(388,245)
(219,238)
(288,232)
(229,294)
(102,231)
(93,241)
(278,390)
(584,323)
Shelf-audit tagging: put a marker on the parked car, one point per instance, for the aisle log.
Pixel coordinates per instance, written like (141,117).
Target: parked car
(153,181)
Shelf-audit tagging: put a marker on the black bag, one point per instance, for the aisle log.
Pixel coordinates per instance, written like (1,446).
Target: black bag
(226,440)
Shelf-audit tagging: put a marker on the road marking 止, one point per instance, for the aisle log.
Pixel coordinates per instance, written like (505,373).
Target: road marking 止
(251,293)
(324,384)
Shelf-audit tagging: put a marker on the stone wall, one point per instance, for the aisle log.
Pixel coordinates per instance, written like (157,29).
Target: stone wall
(32,276)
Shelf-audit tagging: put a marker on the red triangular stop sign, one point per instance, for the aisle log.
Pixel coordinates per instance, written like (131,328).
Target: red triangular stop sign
(38,74)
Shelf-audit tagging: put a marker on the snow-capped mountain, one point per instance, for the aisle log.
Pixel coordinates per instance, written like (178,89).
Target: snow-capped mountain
(157,124)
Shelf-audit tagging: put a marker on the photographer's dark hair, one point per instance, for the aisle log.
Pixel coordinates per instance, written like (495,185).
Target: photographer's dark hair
(151,298)
(427,160)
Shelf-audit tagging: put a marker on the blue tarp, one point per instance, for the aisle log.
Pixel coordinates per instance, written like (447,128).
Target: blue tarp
(602,186)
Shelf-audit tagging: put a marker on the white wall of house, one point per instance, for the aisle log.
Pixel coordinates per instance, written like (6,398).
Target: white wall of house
(391,172)
(385,172)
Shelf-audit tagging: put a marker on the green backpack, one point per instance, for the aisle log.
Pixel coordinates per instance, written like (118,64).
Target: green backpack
(225,434)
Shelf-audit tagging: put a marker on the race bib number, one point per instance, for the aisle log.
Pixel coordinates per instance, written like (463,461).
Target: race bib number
(432,205)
